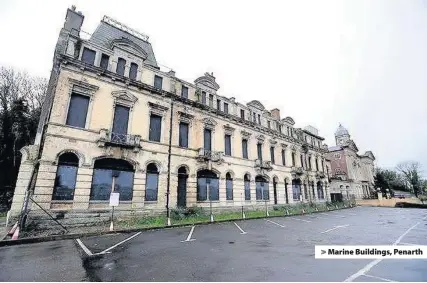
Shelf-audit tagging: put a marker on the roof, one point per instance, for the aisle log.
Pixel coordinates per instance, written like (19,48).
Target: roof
(106,33)
(341,131)
(335,148)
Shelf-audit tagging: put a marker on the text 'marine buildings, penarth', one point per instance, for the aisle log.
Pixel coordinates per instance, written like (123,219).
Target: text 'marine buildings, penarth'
(107,117)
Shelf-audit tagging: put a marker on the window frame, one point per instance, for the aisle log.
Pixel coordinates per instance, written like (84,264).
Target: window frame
(272,155)
(245,154)
(120,59)
(227,146)
(184,94)
(86,96)
(158,78)
(90,50)
(132,64)
(149,128)
(179,137)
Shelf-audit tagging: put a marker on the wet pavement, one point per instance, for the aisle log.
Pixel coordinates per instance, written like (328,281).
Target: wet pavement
(276,249)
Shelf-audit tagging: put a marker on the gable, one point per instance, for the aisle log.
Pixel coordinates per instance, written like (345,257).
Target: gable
(256,104)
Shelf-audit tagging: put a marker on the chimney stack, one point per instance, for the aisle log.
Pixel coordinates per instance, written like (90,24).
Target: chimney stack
(275,113)
(73,21)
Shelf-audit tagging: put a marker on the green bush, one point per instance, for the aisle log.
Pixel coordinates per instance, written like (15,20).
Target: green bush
(423,198)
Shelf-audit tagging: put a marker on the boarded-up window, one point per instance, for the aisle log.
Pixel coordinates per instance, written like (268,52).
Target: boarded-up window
(88,56)
(155,128)
(121,63)
(133,71)
(77,110)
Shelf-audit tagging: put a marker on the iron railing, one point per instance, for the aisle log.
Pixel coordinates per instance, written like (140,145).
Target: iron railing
(263,164)
(204,154)
(112,138)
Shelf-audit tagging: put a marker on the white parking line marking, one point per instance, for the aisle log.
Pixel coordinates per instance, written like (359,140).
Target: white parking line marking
(276,223)
(299,219)
(84,248)
(324,213)
(243,232)
(320,217)
(189,235)
(375,262)
(380,278)
(336,227)
(118,244)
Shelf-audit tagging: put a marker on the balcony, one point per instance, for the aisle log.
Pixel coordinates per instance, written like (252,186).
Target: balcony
(297,170)
(210,155)
(108,138)
(263,165)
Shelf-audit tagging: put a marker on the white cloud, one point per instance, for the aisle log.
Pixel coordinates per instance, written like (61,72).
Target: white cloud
(361,63)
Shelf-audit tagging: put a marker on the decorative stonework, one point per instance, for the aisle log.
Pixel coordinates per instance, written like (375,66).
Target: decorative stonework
(82,87)
(208,80)
(260,138)
(245,134)
(209,123)
(157,108)
(124,97)
(284,145)
(228,129)
(273,141)
(256,104)
(185,117)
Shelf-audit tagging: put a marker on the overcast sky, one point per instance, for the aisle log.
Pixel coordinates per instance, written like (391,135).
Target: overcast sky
(359,63)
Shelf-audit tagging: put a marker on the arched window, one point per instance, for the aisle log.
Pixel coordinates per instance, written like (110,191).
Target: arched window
(133,71)
(205,179)
(320,193)
(121,63)
(296,189)
(66,174)
(229,186)
(261,188)
(107,171)
(247,181)
(152,182)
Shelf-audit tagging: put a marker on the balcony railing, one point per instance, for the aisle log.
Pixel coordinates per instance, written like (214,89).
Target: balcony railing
(205,155)
(297,170)
(263,164)
(110,138)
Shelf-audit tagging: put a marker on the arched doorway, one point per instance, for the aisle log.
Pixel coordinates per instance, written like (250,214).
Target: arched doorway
(320,193)
(207,183)
(275,189)
(296,189)
(182,187)
(261,188)
(286,191)
(247,180)
(66,175)
(107,171)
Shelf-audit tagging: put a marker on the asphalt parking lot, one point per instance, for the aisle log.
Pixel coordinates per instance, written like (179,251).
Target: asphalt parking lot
(274,249)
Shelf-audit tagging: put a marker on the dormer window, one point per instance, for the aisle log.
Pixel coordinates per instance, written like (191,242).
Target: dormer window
(218,104)
(254,116)
(184,92)
(88,56)
(121,63)
(242,114)
(259,119)
(104,61)
(158,82)
(225,108)
(203,97)
(133,71)
(269,124)
(210,100)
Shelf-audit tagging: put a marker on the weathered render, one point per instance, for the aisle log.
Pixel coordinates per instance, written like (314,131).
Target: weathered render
(114,71)
(352,173)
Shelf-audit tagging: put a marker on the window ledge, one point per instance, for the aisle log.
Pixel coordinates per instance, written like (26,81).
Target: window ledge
(207,201)
(150,202)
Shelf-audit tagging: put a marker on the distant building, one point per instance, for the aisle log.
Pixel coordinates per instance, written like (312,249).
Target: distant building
(106,124)
(352,173)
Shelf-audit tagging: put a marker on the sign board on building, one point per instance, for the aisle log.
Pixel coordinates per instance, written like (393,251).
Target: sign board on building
(114,199)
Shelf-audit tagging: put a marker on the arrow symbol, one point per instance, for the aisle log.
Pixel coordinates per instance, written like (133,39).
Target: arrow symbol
(322,252)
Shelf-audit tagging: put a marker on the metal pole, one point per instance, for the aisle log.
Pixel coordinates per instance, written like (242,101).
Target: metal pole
(210,201)
(113,184)
(169,166)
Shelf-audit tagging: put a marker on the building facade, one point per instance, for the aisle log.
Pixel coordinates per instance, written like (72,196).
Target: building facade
(114,121)
(352,173)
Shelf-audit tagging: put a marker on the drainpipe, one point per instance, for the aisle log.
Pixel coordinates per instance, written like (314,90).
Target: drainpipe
(169,167)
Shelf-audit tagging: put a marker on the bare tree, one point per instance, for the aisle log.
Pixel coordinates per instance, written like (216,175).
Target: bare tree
(21,97)
(411,172)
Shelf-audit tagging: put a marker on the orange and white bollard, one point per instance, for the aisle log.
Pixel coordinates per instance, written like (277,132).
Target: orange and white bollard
(16,234)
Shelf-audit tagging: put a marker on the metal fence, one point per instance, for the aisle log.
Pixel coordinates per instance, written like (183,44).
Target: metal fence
(82,217)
